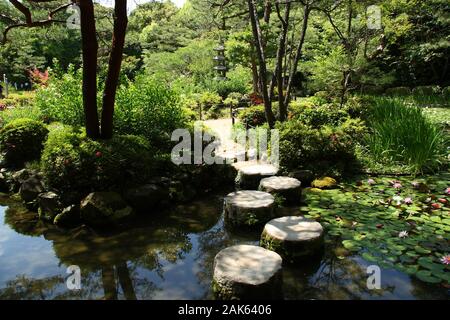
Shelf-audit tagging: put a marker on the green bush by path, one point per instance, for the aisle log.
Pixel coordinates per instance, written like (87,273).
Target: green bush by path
(21,140)
(11,114)
(73,162)
(62,99)
(401,133)
(328,150)
(253,116)
(151,110)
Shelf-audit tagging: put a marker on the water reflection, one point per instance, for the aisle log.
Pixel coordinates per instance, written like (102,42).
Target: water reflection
(164,256)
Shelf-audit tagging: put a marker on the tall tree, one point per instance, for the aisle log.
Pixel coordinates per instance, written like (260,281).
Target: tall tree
(89,53)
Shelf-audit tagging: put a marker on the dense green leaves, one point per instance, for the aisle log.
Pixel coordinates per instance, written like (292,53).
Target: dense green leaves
(394,223)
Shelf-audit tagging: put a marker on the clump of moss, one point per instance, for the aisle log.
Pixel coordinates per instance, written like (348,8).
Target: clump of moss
(324,183)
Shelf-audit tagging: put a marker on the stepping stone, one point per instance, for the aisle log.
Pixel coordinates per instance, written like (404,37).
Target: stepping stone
(293,237)
(285,188)
(247,272)
(250,176)
(248,208)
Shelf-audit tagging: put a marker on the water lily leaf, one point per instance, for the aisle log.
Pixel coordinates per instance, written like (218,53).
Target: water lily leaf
(422,250)
(367,256)
(427,277)
(351,245)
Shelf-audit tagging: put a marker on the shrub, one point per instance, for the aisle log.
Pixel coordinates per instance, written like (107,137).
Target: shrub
(21,140)
(326,114)
(446,92)
(217,112)
(209,99)
(18,99)
(398,91)
(73,162)
(328,150)
(238,80)
(426,90)
(11,114)
(253,116)
(62,99)
(149,109)
(401,133)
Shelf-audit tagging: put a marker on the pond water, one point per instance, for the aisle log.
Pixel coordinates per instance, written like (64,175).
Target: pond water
(166,256)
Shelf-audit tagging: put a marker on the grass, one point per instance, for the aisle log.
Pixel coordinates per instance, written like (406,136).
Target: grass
(401,133)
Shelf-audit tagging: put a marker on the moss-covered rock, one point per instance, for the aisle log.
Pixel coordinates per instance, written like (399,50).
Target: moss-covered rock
(104,208)
(324,183)
(49,205)
(69,217)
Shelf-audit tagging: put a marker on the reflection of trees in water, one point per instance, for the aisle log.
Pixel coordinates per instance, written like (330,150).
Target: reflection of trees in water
(142,247)
(30,289)
(23,221)
(330,278)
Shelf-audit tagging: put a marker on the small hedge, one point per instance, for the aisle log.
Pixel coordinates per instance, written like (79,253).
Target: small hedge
(327,150)
(398,91)
(22,140)
(73,162)
(252,117)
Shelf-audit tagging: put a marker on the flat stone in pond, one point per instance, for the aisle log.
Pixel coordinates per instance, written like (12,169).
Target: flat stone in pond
(293,237)
(286,188)
(248,208)
(250,176)
(247,272)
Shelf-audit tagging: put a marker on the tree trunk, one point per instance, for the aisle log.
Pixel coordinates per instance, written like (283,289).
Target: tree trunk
(90,48)
(278,73)
(262,62)
(115,62)
(298,55)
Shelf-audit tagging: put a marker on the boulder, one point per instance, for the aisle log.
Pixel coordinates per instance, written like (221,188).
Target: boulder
(17,179)
(247,272)
(248,208)
(3,183)
(248,177)
(305,176)
(181,192)
(104,208)
(69,217)
(30,189)
(324,183)
(49,205)
(147,197)
(285,189)
(293,238)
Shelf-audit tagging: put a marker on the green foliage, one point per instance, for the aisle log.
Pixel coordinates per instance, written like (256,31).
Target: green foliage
(62,99)
(401,133)
(72,162)
(21,140)
(18,99)
(326,114)
(149,109)
(325,150)
(209,99)
(10,114)
(398,91)
(398,223)
(426,90)
(253,116)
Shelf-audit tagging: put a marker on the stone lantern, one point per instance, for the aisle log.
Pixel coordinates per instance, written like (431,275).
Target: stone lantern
(220,67)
